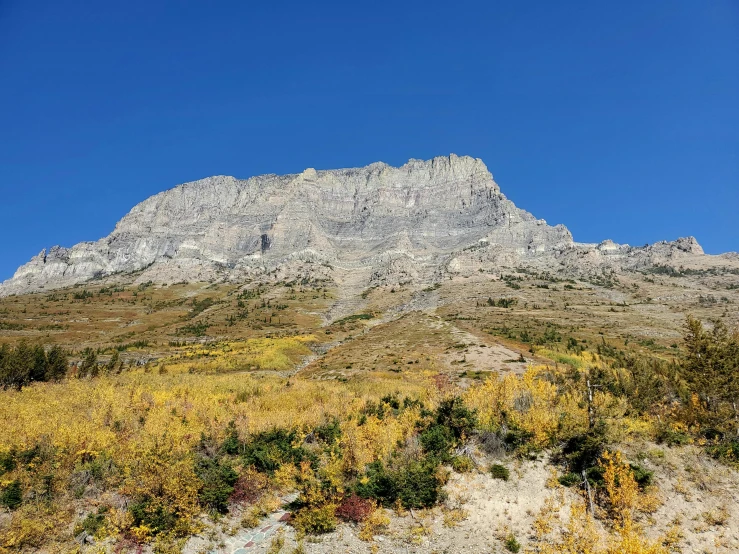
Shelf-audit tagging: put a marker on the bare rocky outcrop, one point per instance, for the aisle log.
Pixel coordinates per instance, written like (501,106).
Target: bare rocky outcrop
(411,223)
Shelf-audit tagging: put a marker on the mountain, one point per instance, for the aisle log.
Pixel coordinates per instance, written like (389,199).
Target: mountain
(378,223)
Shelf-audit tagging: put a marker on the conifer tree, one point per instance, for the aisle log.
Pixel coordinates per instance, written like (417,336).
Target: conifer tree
(38,368)
(89,365)
(57,363)
(110,366)
(17,370)
(711,365)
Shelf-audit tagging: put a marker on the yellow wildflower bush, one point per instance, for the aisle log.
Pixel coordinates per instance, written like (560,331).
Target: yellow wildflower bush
(32,526)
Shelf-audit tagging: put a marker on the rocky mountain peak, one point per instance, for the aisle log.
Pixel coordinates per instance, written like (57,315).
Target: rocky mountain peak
(413,222)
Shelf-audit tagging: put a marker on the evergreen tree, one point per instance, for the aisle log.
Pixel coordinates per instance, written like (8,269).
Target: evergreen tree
(56,364)
(17,370)
(38,369)
(699,368)
(110,366)
(711,366)
(89,365)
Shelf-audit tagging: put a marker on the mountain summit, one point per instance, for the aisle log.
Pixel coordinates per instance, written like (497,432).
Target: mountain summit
(387,224)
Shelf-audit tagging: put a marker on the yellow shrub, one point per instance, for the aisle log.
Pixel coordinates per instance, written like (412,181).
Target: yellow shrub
(377,521)
(148,425)
(375,439)
(279,353)
(621,487)
(332,472)
(316,520)
(31,526)
(285,477)
(529,402)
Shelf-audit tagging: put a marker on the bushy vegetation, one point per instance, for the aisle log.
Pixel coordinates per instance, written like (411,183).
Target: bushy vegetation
(279,353)
(25,364)
(270,450)
(499,471)
(179,444)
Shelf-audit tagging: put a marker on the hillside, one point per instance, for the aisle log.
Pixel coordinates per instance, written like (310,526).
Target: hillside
(267,366)
(219,344)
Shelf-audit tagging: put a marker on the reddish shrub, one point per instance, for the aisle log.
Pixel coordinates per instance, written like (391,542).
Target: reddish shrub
(353,508)
(249,487)
(442,382)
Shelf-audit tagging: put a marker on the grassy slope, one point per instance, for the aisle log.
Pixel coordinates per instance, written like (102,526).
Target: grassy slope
(196,331)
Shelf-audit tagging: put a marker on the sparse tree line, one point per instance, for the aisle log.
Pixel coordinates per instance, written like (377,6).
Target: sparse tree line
(694,398)
(91,367)
(705,381)
(23,364)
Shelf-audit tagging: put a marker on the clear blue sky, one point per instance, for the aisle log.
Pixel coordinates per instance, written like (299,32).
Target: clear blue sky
(618,119)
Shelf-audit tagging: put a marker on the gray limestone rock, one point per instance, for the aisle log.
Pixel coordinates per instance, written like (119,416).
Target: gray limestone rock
(410,223)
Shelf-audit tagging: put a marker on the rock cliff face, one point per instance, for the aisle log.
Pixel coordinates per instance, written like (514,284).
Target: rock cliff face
(413,222)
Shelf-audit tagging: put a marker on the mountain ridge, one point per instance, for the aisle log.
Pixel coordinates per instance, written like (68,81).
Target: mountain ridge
(417,222)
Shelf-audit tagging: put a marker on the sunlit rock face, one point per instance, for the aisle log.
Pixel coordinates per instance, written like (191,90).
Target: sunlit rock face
(413,222)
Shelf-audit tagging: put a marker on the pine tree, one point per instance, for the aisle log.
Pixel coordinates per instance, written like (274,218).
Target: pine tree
(56,364)
(711,365)
(18,366)
(89,365)
(38,369)
(698,367)
(110,366)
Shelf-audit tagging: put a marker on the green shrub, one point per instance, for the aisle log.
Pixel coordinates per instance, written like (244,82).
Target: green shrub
(328,432)
(511,544)
(100,469)
(34,454)
(671,437)
(379,484)
(453,414)
(726,451)
(414,484)
(218,479)
(595,476)
(499,472)
(315,521)
(417,484)
(570,479)
(642,476)
(518,439)
(11,496)
(351,318)
(92,523)
(7,461)
(584,451)
(231,443)
(267,451)
(462,464)
(436,440)
(155,516)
